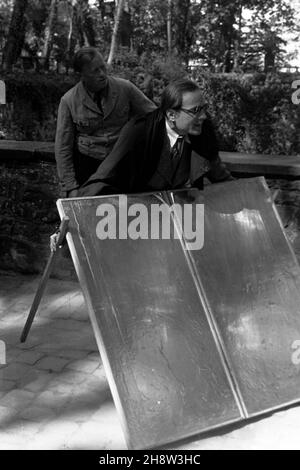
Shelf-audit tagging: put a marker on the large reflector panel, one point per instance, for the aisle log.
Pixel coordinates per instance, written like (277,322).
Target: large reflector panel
(164,364)
(250,278)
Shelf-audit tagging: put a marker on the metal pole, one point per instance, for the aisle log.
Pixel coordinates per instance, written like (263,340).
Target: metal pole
(39,293)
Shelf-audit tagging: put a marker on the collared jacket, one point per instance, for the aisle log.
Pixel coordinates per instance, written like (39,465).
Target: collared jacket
(82,126)
(136,155)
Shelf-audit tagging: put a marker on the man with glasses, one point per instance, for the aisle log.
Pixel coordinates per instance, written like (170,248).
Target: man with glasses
(172,147)
(90,118)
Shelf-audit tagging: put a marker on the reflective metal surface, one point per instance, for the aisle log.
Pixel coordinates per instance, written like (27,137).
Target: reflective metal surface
(251,282)
(164,368)
(191,340)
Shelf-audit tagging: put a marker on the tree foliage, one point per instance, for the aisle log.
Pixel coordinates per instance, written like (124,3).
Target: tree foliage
(221,35)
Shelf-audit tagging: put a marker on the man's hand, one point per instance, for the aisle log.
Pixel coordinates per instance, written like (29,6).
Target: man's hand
(53,241)
(73,193)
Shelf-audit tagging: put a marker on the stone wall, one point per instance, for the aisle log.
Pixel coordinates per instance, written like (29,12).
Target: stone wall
(28,214)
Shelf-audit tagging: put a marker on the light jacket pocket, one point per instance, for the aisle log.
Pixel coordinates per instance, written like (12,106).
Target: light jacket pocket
(88,125)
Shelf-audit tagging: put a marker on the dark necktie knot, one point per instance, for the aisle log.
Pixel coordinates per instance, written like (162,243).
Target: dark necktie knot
(177,147)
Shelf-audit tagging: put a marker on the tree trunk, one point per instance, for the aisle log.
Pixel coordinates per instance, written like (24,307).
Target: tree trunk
(88,24)
(70,32)
(228,34)
(169,27)
(125,26)
(16,34)
(49,33)
(237,42)
(113,45)
(269,60)
(78,20)
(84,23)
(183,32)
(70,39)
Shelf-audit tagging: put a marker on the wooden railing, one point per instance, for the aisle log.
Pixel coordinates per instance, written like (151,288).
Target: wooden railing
(237,162)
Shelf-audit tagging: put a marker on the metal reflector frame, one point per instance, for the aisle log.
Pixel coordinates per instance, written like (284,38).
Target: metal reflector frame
(190,339)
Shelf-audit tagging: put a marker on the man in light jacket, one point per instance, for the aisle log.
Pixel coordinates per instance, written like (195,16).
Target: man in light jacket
(90,118)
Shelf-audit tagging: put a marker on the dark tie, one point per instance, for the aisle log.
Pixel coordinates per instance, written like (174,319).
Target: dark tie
(98,98)
(177,148)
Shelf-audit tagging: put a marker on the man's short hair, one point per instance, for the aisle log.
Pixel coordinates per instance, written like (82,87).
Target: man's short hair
(84,56)
(171,97)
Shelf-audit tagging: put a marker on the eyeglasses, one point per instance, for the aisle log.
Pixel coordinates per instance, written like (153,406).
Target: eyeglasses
(196,111)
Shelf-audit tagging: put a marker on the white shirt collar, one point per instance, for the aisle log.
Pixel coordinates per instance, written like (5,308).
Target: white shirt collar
(173,136)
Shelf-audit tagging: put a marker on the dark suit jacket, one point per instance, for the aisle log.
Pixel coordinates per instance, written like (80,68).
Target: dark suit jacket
(135,157)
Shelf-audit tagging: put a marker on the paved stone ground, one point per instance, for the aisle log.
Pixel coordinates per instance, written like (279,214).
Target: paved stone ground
(53,389)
